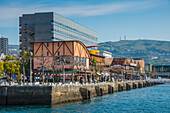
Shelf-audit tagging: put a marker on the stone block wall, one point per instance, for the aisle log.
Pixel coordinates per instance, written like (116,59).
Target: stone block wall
(66,93)
(3,95)
(13,95)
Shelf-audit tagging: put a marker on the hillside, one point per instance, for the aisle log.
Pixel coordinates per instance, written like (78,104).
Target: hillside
(151,50)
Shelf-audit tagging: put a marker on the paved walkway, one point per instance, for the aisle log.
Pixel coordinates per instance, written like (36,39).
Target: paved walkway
(56,84)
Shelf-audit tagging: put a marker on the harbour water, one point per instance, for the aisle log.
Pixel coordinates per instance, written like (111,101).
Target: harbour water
(149,99)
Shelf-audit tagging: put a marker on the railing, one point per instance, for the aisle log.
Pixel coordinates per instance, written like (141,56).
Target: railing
(60,83)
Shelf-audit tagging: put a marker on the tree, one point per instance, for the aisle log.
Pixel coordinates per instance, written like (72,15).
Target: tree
(7,58)
(42,63)
(100,68)
(8,65)
(94,63)
(24,63)
(17,67)
(11,65)
(1,66)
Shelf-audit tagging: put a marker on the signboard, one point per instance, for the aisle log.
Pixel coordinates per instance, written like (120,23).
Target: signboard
(14,76)
(132,64)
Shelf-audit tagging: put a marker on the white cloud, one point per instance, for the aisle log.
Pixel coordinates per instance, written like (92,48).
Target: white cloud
(13,12)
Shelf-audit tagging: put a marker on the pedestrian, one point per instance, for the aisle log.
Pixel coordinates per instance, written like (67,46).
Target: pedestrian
(81,81)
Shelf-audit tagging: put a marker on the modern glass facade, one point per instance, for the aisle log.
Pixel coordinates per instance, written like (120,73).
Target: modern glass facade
(52,27)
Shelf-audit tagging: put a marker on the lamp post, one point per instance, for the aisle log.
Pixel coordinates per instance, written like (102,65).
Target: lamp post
(53,69)
(30,54)
(23,70)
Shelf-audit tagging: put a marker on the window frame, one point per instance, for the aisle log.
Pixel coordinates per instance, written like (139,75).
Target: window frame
(47,53)
(47,44)
(58,53)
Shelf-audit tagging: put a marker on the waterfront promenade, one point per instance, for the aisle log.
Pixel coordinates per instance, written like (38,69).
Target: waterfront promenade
(62,93)
(160,80)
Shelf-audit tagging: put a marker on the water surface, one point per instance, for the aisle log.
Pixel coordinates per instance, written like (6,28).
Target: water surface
(149,100)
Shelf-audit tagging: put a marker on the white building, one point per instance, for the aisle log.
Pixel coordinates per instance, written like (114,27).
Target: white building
(106,54)
(2,56)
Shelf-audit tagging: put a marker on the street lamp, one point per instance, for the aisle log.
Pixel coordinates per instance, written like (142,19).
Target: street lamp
(23,69)
(30,54)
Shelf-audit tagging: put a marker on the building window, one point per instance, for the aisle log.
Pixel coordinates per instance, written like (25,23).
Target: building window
(81,61)
(78,59)
(47,53)
(58,44)
(58,53)
(84,61)
(47,44)
(75,59)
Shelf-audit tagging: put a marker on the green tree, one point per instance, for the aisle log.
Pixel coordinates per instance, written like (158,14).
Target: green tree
(94,63)
(7,58)
(24,64)
(8,65)
(16,67)
(11,65)
(1,66)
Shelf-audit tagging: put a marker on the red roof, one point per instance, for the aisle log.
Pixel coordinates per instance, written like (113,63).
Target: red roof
(92,46)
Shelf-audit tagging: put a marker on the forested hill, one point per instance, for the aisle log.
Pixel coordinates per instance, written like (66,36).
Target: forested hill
(152,51)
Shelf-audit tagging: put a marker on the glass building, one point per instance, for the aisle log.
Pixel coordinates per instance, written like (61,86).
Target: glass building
(49,26)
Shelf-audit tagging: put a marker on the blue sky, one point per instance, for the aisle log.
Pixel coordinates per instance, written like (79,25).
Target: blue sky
(111,19)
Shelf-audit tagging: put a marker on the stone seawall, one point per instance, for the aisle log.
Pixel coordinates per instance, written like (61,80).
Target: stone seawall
(13,95)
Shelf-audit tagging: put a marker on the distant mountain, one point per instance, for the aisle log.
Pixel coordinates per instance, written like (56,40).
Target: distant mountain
(152,51)
(13,47)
